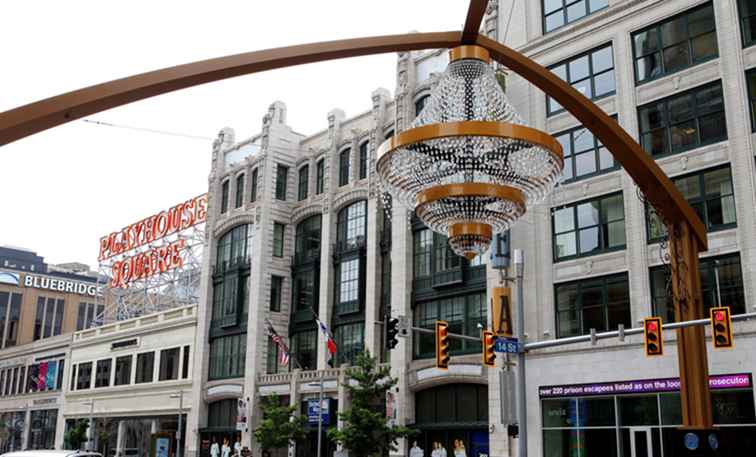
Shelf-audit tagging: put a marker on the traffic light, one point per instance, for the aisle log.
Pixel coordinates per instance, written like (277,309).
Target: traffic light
(489,346)
(652,336)
(392,329)
(501,299)
(721,327)
(442,345)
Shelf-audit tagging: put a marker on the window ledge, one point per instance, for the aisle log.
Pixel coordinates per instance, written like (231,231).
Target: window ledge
(595,265)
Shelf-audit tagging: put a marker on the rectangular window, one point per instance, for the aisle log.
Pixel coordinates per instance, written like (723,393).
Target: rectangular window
(304,181)
(730,292)
(73,376)
(589,227)
(363,160)
(272,363)
(278,239)
(61,370)
(591,74)
(49,315)
(282,174)
(227,356)
(276,288)
(683,121)
(751,80)
(185,364)
(253,188)
(224,197)
(584,155)
(304,348)
(145,367)
(123,371)
(84,377)
(423,241)
(463,313)
(102,373)
(710,193)
(747,10)
(239,191)
(13,319)
(599,303)
(81,317)
(39,318)
(558,13)
(675,44)
(4,299)
(58,322)
(349,341)
(169,364)
(320,177)
(349,286)
(345,167)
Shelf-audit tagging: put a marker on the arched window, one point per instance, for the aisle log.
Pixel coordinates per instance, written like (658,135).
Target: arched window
(307,241)
(420,104)
(230,304)
(222,413)
(351,225)
(345,167)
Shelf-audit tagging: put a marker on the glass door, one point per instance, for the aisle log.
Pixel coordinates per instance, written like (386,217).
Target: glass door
(641,444)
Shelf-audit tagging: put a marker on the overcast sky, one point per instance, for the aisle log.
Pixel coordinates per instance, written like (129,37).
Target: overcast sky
(62,189)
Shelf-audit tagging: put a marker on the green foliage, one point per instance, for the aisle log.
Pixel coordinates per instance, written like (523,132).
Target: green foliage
(366,431)
(76,435)
(279,425)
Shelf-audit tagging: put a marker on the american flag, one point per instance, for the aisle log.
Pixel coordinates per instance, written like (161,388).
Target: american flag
(283,350)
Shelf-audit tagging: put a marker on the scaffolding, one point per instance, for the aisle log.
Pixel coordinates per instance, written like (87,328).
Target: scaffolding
(164,290)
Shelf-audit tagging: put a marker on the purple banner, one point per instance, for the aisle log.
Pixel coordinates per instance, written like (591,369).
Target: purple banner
(727,381)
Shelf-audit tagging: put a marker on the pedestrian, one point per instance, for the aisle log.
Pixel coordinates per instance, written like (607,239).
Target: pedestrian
(416,451)
(214,449)
(237,446)
(226,449)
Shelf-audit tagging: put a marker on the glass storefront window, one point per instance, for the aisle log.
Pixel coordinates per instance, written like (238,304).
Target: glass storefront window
(42,429)
(636,411)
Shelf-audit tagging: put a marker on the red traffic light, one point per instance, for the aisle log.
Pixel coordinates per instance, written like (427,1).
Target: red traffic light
(652,336)
(651,326)
(721,328)
(719,315)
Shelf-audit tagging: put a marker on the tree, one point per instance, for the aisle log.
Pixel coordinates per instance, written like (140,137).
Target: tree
(76,435)
(366,431)
(279,425)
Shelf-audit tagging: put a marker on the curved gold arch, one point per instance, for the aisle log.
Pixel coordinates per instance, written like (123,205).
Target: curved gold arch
(689,232)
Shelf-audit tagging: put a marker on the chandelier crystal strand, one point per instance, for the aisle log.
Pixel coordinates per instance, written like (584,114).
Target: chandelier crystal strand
(468,166)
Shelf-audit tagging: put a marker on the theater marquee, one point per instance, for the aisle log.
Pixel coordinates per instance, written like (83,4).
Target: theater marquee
(132,249)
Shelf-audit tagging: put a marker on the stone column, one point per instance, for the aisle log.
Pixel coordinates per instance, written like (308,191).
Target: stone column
(401,299)
(121,439)
(373,271)
(27,428)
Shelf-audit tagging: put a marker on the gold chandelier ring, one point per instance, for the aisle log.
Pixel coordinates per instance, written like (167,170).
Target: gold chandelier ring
(470,189)
(471,228)
(471,128)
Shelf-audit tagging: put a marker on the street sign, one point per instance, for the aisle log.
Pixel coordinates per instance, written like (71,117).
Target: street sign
(312,411)
(507,345)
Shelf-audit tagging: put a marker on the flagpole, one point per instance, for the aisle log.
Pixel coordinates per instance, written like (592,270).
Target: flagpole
(328,334)
(272,331)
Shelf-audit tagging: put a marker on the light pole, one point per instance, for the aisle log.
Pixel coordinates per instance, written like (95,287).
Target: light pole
(320,411)
(522,412)
(90,441)
(180,396)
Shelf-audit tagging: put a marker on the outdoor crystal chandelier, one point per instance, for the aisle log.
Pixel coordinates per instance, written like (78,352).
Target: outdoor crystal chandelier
(468,166)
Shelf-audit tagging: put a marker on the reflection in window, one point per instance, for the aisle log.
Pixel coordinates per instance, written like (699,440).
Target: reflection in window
(584,155)
(683,121)
(730,291)
(227,356)
(304,348)
(349,342)
(463,313)
(307,239)
(710,193)
(591,74)
(588,228)
(599,303)
(145,367)
(348,287)
(351,224)
(747,10)
(675,44)
(169,364)
(557,13)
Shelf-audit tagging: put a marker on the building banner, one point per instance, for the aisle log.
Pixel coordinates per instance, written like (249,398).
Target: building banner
(728,381)
(42,378)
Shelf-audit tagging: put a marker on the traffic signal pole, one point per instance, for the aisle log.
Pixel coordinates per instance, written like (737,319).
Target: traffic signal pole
(522,404)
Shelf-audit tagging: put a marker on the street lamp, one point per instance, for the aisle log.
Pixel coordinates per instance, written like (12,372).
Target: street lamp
(90,441)
(180,396)
(320,410)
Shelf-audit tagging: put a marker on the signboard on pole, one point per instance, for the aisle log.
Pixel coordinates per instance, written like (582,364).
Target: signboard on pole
(507,345)
(241,418)
(312,411)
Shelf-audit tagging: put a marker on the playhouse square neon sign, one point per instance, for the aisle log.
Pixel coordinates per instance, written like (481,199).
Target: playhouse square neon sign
(156,227)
